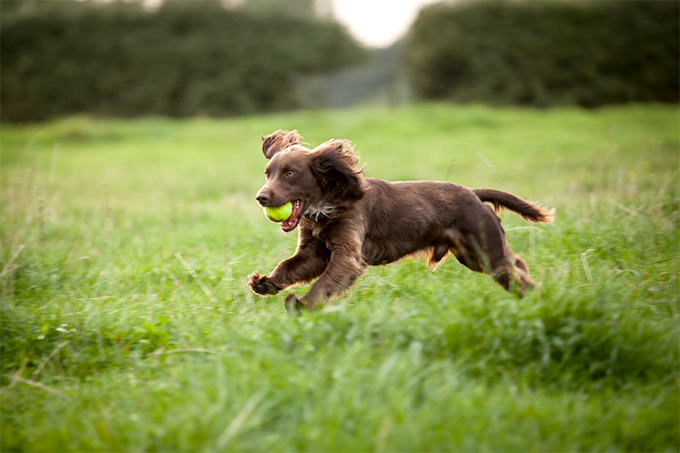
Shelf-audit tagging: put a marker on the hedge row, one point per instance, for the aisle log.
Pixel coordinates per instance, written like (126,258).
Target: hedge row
(544,53)
(187,58)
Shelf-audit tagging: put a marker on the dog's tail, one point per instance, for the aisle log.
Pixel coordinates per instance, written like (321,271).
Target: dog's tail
(531,212)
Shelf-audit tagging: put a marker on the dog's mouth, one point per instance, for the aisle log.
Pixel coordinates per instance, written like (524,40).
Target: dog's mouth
(289,225)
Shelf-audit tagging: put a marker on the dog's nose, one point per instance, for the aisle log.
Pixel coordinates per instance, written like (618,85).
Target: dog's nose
(263,197)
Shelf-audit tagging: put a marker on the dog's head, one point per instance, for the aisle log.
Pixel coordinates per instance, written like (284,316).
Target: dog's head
(323,177)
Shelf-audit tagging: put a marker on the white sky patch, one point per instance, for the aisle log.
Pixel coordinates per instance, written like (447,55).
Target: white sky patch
(374,23)
(377,23)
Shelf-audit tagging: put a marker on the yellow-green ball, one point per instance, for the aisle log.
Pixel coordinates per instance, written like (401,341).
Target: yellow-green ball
(280,214)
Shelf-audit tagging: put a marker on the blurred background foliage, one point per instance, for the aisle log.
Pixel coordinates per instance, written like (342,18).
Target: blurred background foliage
(186,58)
(544,53)
(205,58)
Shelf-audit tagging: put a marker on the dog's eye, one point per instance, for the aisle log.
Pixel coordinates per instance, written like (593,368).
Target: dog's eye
(290,173)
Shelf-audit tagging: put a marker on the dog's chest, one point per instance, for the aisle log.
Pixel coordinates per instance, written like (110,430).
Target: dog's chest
(319,211)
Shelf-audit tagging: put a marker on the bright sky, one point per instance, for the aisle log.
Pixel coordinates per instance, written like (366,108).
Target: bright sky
(374,23)
(377,23)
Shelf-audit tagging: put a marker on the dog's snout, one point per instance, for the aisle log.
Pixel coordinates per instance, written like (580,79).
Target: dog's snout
(263,197)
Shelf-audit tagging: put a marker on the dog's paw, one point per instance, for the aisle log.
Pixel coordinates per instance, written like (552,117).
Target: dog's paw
(295,306)
(261,285)
(292,303)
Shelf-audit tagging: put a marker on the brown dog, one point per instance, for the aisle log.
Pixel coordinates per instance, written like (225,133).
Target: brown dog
(348,221)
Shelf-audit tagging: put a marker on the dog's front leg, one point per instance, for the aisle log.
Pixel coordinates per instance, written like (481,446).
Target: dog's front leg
(344,267)
(309,261)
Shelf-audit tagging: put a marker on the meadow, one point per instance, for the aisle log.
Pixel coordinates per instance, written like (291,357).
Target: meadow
(127,324)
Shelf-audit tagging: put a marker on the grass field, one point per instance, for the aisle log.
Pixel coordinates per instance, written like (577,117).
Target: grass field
(127,324)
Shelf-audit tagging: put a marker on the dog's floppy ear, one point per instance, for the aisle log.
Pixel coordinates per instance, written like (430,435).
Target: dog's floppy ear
(333,164)
(278,141)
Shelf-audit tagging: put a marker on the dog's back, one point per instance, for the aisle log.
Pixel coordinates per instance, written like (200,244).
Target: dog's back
(402,218)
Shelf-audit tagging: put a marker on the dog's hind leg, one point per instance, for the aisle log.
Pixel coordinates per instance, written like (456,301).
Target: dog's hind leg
(513,274)
(460,247)
(437,253)
(521,272)
(483,249)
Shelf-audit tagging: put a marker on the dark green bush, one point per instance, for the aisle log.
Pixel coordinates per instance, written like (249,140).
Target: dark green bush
(187,58)
(545,53)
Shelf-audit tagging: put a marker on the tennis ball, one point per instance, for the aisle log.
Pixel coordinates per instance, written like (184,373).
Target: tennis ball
(280,214)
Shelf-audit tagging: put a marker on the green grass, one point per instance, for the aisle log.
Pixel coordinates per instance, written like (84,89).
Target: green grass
(111,343)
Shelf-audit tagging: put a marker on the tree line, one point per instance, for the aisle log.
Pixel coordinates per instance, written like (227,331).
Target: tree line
(546,53)
(199,58)
(187,58)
